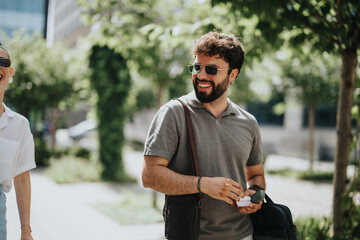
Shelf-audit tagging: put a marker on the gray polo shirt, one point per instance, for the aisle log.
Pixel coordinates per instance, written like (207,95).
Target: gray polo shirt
(225,145)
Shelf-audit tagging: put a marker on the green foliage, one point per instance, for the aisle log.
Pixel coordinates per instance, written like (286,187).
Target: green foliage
(111,80)
(42,153)
(59,153)
(42,79)
(314,78)
(316,176)
(352,223)
(133,208)
(327,25)
(352,196)
(70,169)
(135,145)
(41,76)
(145,99)
(157,39)
(83,153)
(309,228)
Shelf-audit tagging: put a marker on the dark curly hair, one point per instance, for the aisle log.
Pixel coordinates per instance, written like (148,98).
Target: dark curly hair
(228,47)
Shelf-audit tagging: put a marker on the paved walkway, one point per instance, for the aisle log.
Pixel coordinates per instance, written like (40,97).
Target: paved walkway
(67,211)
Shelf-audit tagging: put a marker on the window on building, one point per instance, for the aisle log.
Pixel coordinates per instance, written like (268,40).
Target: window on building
(325,115)
(264,112)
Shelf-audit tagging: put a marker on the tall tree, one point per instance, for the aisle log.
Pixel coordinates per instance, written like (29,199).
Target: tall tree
(42,81)
(328,26)
(41,77)
(110,78)
(314,78)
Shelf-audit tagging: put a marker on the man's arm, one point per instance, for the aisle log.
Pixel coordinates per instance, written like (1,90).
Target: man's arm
(254,176)
(23,195)
(158,176)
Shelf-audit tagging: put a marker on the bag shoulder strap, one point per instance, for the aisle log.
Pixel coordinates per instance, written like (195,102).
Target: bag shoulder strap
(268,199)
(191,140)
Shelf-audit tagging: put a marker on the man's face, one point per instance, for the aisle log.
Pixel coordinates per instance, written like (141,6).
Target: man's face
(209,88)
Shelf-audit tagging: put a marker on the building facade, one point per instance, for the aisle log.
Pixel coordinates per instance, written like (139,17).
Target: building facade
(64,22)
(30,16)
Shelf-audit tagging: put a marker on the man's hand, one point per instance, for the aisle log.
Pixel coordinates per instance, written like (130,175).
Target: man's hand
(252,207)
(221,188)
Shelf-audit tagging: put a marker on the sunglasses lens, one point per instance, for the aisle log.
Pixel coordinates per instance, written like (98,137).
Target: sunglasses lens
(191,67)
(4,62)
(211,70)
(197,67)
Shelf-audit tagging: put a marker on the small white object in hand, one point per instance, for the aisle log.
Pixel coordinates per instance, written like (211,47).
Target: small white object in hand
(244,202)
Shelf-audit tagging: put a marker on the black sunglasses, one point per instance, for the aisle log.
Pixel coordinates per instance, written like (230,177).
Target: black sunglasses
(5,62)
(210,70)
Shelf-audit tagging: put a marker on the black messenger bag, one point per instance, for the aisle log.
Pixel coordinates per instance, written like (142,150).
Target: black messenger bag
(273,222)
(182,217)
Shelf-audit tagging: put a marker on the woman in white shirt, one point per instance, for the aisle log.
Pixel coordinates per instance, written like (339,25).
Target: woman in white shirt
(16,154)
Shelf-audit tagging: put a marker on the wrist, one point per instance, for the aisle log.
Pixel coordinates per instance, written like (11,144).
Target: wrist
(198,184)
(203,185)
(255,187)
(26,228)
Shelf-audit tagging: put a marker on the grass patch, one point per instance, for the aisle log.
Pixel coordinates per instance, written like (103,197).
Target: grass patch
(284,173)
(134,208)
(70,169)
(134,145)
(123,177)
(309,228)
(316,176)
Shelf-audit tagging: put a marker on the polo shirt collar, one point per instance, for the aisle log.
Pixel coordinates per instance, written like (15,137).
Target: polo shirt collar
(195,103)
(4,120)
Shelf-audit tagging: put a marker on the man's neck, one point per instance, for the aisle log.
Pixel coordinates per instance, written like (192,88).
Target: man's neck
(218,106)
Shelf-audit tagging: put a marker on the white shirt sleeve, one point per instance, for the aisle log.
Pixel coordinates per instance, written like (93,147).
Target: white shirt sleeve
(26,159)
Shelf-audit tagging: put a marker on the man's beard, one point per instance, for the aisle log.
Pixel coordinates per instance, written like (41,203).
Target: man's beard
(217,91)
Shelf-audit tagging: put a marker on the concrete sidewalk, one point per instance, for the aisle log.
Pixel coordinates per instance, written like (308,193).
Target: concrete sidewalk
(67,211)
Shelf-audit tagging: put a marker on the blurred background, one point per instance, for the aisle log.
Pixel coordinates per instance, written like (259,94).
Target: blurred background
(90,75)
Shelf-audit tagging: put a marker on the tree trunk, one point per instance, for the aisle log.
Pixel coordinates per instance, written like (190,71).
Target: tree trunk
(311,120)
(343,127)
(54,115)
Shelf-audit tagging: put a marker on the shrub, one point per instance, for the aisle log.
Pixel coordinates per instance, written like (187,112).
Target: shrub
(304,175)
(317,176)
(110,78)
(83,153)
(42,153)
(70,169)
(309,228)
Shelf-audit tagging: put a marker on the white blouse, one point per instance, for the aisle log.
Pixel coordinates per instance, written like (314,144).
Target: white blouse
(16,147)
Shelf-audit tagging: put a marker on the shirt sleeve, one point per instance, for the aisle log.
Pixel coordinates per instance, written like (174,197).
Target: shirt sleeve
(26,160)
(256,156)
(162,139)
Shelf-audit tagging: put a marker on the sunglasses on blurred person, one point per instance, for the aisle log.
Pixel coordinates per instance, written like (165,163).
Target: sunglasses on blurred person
(5,62)
(210,70)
